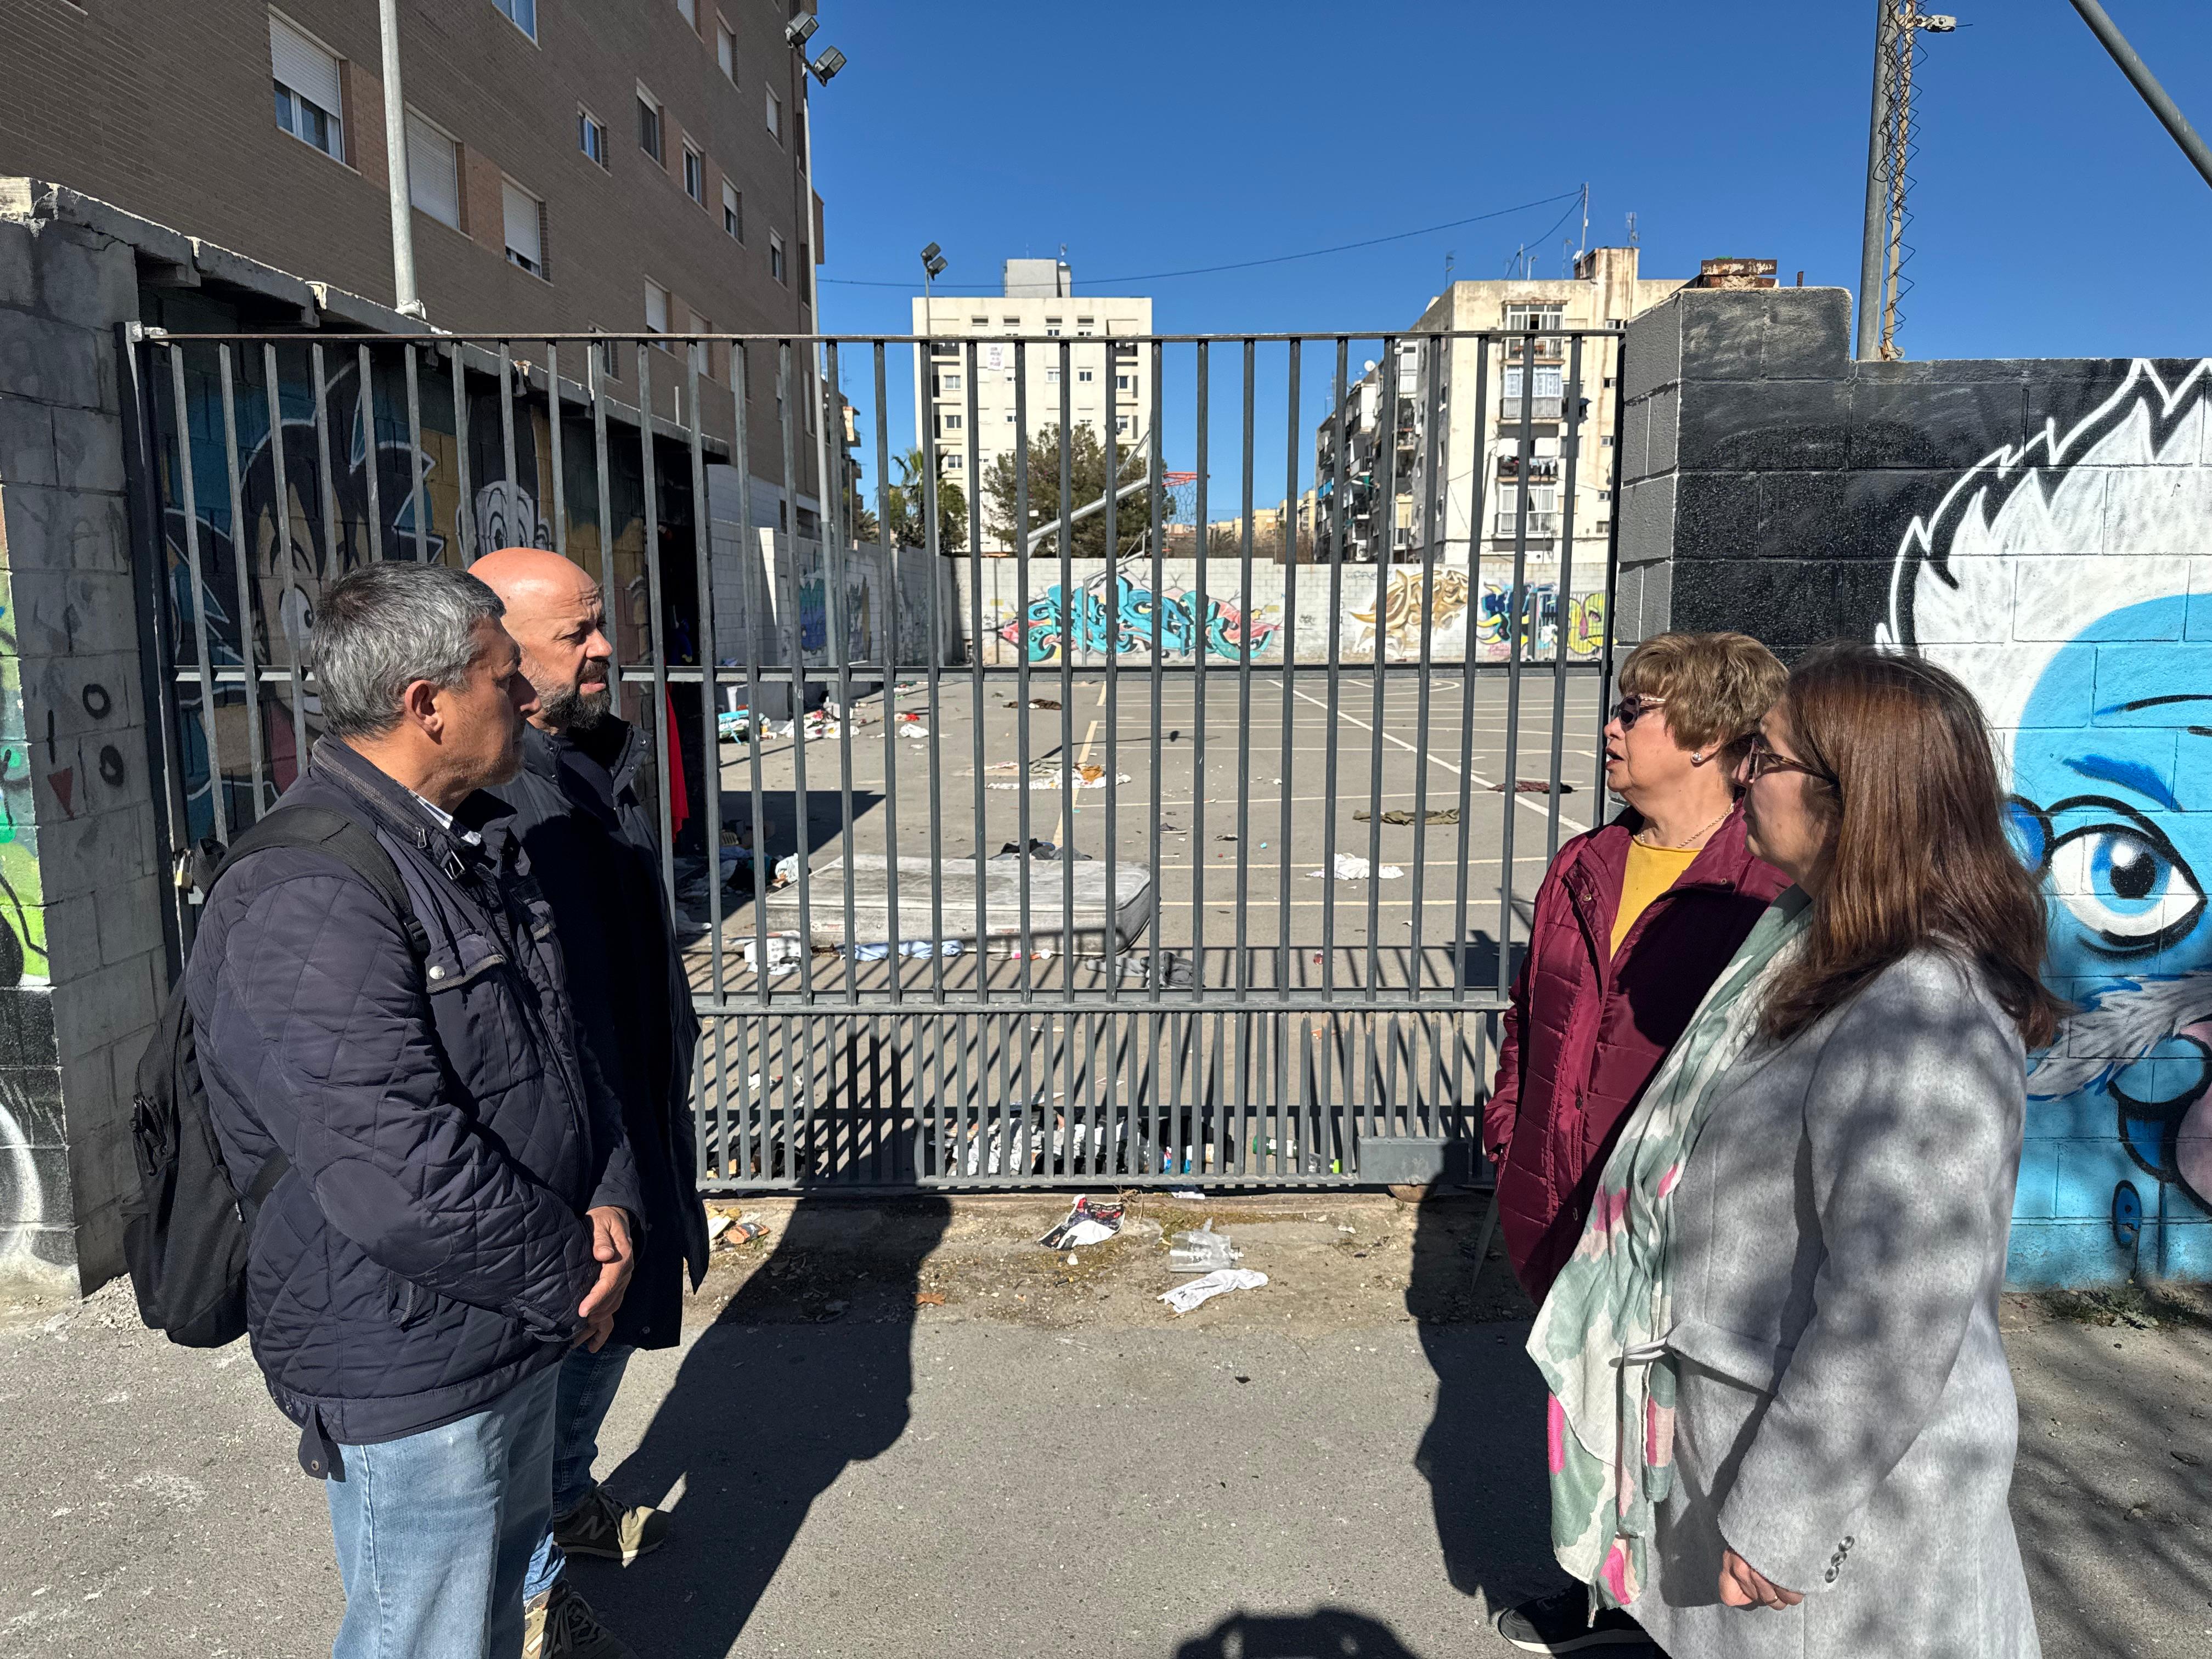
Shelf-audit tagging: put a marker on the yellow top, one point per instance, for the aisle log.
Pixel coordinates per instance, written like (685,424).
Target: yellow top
(1651,871)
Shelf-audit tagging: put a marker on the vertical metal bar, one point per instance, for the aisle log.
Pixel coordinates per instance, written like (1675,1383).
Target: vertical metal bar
(1067,636)
(977,696)
(1478,491)
(1201,436)
(1385,546)
(333,532)
(802,814)
(1286,633)
(1019,1130)
(369,448)
(1243,1102)
(280,551)
(932,679)
(890,676)
(672,753)
(241,545)
(1571,406)
(463,481)
(553,407)
(1518,599)
(519,537)
(416,493)
(1340,479)
(1110,946)
(199,594)
(710,770)
(837,620)
(1154,465)
(1612,575)
(1436,449)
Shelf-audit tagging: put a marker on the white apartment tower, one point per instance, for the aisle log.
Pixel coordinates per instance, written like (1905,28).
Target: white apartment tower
(1101,369)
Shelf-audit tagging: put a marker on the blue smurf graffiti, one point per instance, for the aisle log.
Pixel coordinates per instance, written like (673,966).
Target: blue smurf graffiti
(2065,580)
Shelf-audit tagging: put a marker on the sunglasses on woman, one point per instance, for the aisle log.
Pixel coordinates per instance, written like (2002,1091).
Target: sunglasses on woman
(1630,709)
(1760,759)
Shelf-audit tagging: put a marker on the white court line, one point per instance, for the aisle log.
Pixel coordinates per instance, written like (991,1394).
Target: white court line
(1518,798)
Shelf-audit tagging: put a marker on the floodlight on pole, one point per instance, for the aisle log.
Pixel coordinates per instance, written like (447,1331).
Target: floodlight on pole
(827,64)
(932,266)
(800,30)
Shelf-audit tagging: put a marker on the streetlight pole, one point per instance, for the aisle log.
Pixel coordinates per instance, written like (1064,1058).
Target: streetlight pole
(395,165)
(1873,235)
(2138,73)
(832,60)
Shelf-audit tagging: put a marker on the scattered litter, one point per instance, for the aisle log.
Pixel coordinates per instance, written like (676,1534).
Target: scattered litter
(1092,1221)
(1400,816)
(1174,972)
(751,1232)
(929,1298)
(784,953)
(1189,1194)
(734,726)
(909,689)
(1051,775)
(716,1226)
(1202,1251)
(776,728)
(1531,787)
(1184,1298)
(1044,702)
(1224,838)
(785,872)
(1173,830)
(1039,849)
(880,950)
(1349,867)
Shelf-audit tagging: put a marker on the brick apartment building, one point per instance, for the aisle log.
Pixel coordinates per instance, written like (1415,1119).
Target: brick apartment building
(575,165)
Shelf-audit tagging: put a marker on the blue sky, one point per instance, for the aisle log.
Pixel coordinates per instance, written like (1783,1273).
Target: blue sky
(2054,217)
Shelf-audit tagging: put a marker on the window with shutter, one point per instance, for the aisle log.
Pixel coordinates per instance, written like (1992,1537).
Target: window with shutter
(733,211)
(656,308)
(725,50)
(525,227)
(307,100)
(433,172)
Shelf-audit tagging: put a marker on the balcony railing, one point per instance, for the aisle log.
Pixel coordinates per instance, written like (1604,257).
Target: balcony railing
(1540,525)
(1546,408)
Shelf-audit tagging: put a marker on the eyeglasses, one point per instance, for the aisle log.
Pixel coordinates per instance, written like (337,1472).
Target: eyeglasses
(1759,759)
(1629,710)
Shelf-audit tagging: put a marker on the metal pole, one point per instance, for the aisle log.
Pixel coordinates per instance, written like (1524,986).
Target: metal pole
(395,165)
(2138,72)
(1873,235)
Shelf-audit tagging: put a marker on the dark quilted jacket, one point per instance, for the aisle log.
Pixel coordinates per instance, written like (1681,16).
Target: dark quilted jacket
(1586,1030)
(589,839)
(428,1250)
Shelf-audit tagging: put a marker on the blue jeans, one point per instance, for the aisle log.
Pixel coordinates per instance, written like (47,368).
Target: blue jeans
(588,1383)
(435,1531)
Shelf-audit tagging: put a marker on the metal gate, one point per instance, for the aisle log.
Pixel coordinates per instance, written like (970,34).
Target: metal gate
(1026,824)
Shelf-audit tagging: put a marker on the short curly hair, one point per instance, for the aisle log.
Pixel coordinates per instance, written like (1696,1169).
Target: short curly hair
(1716,686)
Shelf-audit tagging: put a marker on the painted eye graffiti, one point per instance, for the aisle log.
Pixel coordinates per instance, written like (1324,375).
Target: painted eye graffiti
(2126,884)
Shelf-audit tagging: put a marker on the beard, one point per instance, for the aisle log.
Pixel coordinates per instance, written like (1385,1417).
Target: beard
(566,709)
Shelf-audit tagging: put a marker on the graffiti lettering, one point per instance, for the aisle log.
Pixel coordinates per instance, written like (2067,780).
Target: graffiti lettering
(1134,621)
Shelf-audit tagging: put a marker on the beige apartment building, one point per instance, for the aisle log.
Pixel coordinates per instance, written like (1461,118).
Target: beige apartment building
(575,165)
(1483,438)
(1039,308)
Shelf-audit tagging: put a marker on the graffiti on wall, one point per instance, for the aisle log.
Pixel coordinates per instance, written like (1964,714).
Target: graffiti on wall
(291,548)
(1117,611)
(2066,581)
(1454,603)
(22,917)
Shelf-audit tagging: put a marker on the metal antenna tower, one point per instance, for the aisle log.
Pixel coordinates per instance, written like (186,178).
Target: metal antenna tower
(1898,25)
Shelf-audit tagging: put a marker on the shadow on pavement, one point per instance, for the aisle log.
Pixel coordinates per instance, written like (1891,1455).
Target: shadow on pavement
(1483,1454)
(1324,1633)
(807,1370)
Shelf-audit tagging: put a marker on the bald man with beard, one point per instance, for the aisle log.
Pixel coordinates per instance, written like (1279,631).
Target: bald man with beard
(589,836)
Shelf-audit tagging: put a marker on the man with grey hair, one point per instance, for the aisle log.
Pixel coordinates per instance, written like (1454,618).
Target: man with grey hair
(456,1198)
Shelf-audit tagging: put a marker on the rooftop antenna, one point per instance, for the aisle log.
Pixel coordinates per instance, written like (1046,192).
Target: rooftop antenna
(1898,25)
(1585,248)
(1632,230)
(1449,259)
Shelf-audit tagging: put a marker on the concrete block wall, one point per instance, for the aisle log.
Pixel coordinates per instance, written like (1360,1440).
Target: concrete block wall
(2040,527)
(82,965)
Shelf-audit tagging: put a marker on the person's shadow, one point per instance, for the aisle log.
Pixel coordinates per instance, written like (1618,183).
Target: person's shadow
(1483,1453)
(809,1369)
(1324,1633)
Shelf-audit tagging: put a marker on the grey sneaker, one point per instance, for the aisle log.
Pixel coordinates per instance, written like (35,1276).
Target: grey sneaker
(601,1526)
(560,1625)
(1562,1624)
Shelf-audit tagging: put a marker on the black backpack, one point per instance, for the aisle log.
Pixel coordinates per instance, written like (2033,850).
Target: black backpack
(186,1228)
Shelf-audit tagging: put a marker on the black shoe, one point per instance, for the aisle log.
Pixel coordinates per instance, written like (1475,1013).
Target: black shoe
(1562,1624)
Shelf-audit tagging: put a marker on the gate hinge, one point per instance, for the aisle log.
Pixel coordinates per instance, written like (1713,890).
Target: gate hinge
(135,332)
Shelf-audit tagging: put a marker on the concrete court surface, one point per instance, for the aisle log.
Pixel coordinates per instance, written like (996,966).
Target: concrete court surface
(906,1430)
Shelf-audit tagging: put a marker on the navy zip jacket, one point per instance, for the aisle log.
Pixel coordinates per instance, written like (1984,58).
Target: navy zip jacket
(427,1249)
(591,843)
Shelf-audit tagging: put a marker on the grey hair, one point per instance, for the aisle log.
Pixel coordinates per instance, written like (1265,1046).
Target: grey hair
(382,626)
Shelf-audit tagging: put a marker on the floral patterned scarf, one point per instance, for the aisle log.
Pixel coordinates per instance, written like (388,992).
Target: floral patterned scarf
(1600,1339)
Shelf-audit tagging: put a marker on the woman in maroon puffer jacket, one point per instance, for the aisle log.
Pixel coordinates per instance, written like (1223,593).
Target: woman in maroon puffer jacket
(1633,923)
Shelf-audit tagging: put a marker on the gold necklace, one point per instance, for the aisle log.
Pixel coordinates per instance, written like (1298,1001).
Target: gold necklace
(1685,845)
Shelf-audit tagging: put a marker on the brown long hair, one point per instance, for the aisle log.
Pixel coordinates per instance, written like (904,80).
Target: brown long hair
(1916,851)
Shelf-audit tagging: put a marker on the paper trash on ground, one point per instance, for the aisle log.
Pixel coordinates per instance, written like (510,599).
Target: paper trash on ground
(1184,1298)
(1349,867)
(1092,1221)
